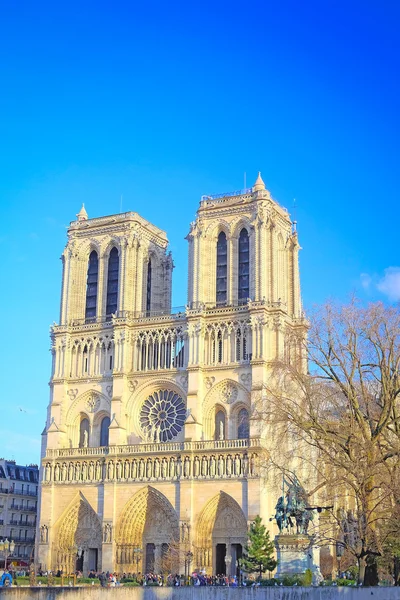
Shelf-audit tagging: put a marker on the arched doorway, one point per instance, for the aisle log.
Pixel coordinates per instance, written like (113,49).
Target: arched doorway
(148,525)
(79,539)
(221,535)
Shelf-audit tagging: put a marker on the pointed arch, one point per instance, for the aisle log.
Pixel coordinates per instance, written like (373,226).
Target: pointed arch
(222,269)
(91,285)
(78,527)
(112,282)
(221,519)
(243,266)
(144,504)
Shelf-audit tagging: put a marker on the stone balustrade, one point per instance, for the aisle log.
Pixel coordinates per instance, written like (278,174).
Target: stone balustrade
(157,448)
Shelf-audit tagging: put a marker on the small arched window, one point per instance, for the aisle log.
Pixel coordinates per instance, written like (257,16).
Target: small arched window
(243,424)
(91,286)
(244,266)
(148,289)
(222,268)
(84,433)
(105,424)
(220,426)
(112,283)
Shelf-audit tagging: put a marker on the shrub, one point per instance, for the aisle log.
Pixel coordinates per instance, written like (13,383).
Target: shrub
(308,577)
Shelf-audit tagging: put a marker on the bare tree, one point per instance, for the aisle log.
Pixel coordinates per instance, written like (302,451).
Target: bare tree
(346,411)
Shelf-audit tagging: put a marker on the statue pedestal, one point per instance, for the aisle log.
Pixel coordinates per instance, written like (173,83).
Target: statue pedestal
(295,554)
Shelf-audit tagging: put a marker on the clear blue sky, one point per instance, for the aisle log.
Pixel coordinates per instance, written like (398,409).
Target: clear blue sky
(164,101)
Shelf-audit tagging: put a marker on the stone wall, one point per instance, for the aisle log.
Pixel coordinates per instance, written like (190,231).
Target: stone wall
(201,593)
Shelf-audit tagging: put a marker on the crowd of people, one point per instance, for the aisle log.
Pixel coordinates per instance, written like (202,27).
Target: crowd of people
(108,579)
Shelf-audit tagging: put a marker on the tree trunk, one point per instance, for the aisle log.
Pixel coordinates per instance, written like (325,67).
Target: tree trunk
(361,570)
(371,571)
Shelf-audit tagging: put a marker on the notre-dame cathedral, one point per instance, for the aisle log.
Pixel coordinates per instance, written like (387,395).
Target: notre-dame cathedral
(148,443)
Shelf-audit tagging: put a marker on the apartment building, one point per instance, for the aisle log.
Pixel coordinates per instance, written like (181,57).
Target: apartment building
(18,508)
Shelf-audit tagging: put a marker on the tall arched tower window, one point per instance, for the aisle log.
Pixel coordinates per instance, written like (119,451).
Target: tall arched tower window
(112,282)
(148,289)
(91,286)
(244,266)
(222,268)
(243,424)
(105,424)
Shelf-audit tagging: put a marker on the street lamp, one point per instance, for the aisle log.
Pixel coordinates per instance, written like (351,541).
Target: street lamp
(137,551)
(339,554)
(188,560)
(8,548)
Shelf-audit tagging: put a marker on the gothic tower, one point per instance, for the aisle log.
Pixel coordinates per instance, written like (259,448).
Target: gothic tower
(148,440)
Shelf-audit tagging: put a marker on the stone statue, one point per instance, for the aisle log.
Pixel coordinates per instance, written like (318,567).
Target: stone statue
(56,472)
(245,465)
(85,439)
(77,471)
(110,470)
(186,467)
(221,466)
(204,467)
(293,510)
(172,467)
(134,469)
(141,468)
(156,468)
(118,470)
(237,465)
(212,466)
(164,468)
(64,472)
(107,533)
(149,469)
(71,471)
(229,465)
(47,473)
(84,471)
(44,532)
(221,430)
(196,467)
(178,468)
(98,471)
(91,471)
(126,469)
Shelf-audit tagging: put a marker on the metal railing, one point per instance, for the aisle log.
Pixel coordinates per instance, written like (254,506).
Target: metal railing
(226,194)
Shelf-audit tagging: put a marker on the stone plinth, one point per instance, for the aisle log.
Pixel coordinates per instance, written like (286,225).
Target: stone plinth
(294,554)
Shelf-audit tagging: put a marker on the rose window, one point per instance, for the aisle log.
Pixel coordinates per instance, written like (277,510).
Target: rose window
(162,416)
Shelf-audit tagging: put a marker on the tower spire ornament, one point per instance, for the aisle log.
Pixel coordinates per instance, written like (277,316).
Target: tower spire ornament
(259,184)
(82,214)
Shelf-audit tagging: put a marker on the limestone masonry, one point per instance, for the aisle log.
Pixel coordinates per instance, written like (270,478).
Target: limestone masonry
(148,440)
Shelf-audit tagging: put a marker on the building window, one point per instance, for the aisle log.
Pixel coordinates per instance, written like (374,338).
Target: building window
(84,433)
(244,266)
(105,424)
(148,289)
(112,283)
(91,286)
(220,426)
(222,268)
(243,424)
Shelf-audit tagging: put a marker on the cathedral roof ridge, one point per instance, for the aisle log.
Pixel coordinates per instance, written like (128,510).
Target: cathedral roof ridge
(83,223)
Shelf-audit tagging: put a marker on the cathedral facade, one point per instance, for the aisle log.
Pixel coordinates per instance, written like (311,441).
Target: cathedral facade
(149,448)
